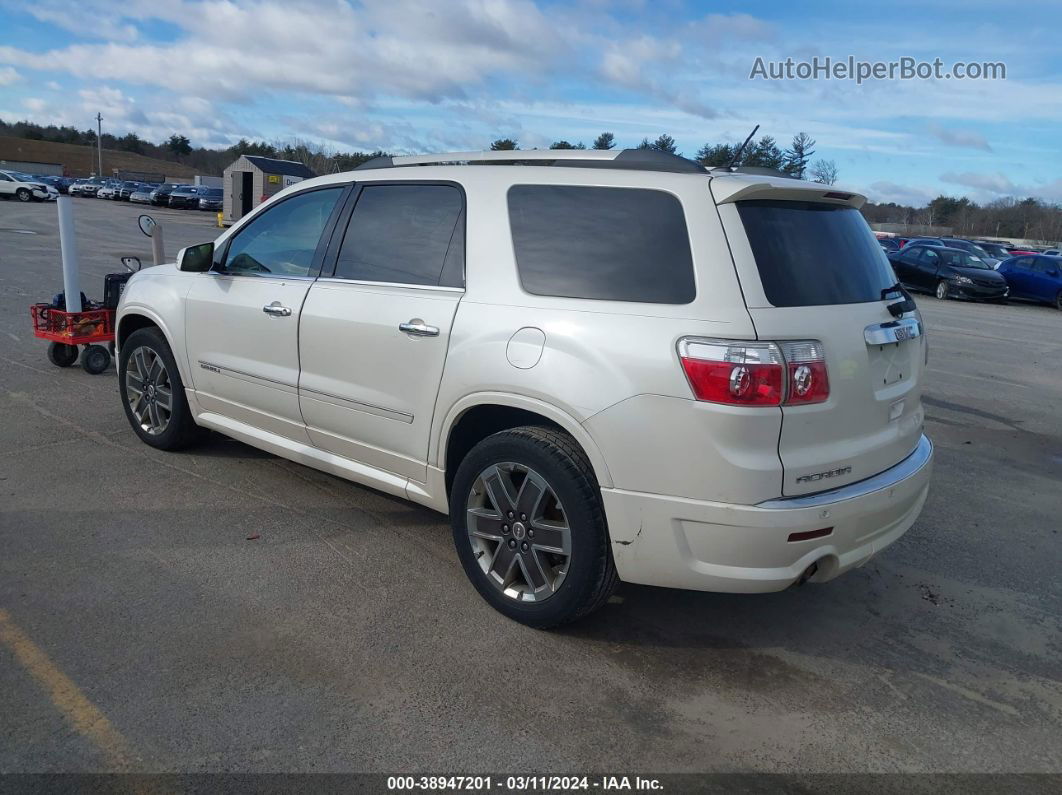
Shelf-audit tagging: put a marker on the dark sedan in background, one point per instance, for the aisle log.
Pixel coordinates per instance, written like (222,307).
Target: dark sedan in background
(161,195)
(947,272)
(185,197)
(211,199)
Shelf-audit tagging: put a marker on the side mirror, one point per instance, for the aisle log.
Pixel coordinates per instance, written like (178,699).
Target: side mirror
(129,262)
(196,259)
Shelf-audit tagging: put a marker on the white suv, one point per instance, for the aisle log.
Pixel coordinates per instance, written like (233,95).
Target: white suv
(603,365)
(25,188)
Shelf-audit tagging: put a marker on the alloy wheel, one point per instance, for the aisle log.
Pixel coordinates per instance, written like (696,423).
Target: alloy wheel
(942,290)
(148,390)
(519,532)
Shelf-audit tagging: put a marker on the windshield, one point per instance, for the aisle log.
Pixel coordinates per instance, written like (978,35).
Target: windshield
(963,260)
(814,254)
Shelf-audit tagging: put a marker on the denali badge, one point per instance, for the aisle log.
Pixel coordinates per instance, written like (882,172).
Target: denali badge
(830,473)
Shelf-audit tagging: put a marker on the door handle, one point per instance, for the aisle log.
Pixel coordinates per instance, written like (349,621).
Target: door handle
(277,310)
(418,328)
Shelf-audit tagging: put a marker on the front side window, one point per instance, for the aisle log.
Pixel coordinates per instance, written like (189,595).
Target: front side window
(611,244)
(282,240)
(405,234)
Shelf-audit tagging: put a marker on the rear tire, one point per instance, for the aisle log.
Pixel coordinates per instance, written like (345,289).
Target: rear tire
(565,572)
(153,393)
(942,290)
(62,355)
(1058,301)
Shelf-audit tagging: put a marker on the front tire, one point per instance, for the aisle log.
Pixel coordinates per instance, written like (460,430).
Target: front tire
(942,290)
(1058,301)
(153,393)
(530,528)
(95,359)
(23,195)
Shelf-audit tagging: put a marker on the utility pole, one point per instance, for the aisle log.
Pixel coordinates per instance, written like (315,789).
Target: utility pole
(99,143)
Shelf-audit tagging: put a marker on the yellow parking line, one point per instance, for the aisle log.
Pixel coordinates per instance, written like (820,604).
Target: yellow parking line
(65,695)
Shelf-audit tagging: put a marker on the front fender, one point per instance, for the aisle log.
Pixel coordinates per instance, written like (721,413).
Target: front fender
(160,299)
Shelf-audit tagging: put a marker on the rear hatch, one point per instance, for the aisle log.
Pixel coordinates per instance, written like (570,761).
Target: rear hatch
(811,269)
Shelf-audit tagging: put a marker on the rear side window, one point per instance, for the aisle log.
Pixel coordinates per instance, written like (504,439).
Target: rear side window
(613,244)
(813,254)
(405,234)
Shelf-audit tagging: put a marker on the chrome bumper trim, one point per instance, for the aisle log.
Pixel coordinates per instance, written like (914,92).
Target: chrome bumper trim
(910,466)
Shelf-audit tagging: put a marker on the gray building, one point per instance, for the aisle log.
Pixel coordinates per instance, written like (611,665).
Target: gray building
(252,179)
(38,169)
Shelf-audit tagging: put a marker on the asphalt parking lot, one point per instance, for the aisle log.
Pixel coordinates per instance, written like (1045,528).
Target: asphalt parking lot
(141,629)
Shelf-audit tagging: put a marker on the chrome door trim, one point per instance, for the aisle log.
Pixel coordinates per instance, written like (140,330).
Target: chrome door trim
(902,330)
(363,283)
(357,405)
(907,468)
(245,376)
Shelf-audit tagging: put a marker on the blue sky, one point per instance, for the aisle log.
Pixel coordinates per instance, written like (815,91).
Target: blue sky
(408,75)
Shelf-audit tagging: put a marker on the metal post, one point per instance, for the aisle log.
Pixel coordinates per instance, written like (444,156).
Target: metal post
(99,143)
(157,252)
(68,249)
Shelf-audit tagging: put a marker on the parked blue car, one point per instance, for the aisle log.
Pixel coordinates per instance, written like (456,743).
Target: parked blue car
(1036,278)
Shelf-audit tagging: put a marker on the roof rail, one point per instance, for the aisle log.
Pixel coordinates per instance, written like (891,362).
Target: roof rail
(763,171)
(626,159)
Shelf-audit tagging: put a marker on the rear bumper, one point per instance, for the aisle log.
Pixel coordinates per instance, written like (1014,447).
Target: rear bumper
(710,546)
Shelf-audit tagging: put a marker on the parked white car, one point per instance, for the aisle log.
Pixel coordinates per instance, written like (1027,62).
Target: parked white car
(610,366)
(25,188)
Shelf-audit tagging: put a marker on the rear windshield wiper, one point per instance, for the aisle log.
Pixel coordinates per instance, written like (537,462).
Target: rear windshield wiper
(900,307)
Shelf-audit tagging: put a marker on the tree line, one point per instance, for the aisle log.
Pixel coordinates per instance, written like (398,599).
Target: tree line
(1008,217)
(794,160)
(1005,217)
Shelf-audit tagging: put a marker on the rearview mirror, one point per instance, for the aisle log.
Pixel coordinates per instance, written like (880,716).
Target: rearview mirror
(196,259)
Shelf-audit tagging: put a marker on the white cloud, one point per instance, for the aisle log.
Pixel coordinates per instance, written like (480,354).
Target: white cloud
(883,192)
(960,138)
(995,185)
(9,75)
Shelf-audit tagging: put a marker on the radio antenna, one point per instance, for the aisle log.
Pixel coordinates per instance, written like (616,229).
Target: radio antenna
(737,154)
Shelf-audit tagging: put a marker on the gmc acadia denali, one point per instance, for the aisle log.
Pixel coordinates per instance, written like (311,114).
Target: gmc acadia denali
(603,365)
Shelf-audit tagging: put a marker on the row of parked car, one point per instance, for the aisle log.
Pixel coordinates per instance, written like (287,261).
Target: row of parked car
(168,194)
(983,270)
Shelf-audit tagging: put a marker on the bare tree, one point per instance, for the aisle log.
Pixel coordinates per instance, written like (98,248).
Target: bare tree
(824,172)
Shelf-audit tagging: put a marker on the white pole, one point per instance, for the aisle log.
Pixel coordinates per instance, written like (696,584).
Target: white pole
(68,248)
(157,252)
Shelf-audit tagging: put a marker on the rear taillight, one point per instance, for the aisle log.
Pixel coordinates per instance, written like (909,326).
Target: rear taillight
(743,373)
(806,370)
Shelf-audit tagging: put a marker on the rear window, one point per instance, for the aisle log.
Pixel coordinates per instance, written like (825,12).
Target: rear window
(812,254)
(613,244)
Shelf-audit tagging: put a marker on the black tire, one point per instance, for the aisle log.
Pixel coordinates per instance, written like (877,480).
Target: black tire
(181,430)
(24,195)
(95,359)
(1058,300)
(942,286)
(62,355)
(590,575)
